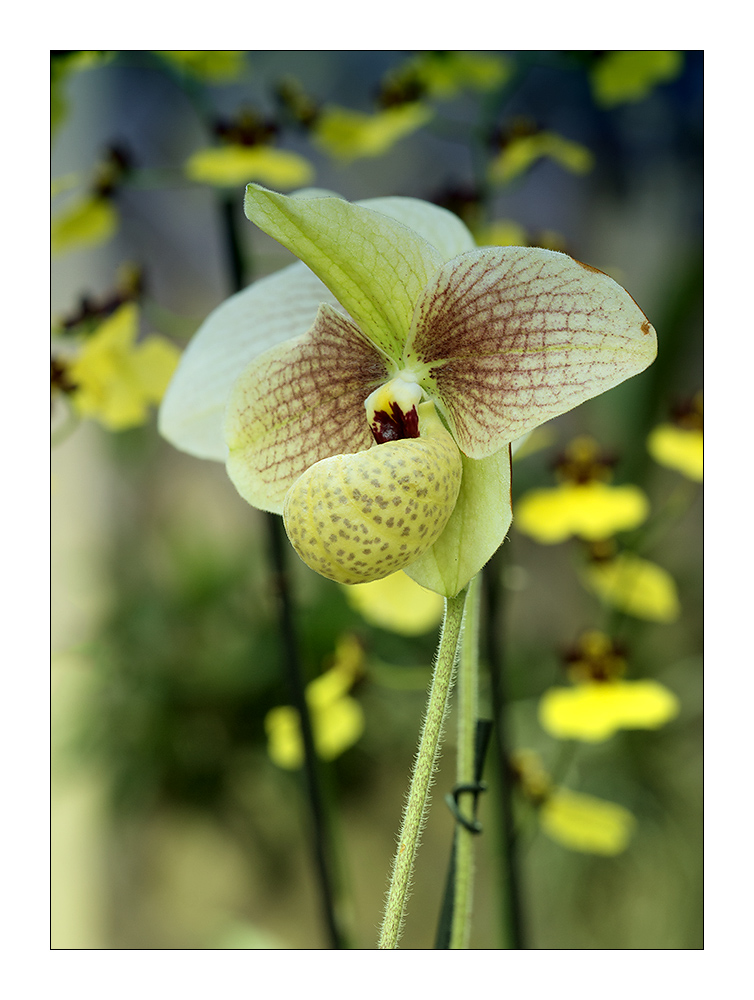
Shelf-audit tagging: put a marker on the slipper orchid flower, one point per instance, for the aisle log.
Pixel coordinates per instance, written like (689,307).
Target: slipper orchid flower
(371,393)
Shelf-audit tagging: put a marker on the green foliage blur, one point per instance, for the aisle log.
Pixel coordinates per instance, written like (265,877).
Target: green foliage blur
(172,828)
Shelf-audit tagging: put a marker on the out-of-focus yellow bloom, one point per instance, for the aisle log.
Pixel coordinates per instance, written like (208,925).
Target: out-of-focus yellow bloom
(503,233)
(337,718)
(87,222)
(623,77)
(589,510)
(678,448)
(233,164)
(585,823)
(349,135)
(522,151)
(116,379)
(595,710)
(445,74)
(397,603)
(635,586)
(577,821)
(211,66)
(583,504)
(63,66)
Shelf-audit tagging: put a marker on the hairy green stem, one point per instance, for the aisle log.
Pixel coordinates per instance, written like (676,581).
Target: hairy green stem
(468,684)
(424,767)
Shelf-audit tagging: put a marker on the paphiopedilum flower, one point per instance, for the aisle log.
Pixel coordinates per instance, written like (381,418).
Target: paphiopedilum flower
(434,352)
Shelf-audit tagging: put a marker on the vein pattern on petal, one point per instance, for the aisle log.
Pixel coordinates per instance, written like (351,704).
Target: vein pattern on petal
(374,265)
(298,403)
(514,336)
(274,309)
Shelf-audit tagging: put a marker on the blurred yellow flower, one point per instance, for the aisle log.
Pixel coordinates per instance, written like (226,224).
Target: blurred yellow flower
(503,233)
(678,448)
(522,151)
(593,511)
(635,586)
(88,221)
(337,718)
(622,77)
(594,711)
(234,164)
(583,504)
(349,135)
(585,823)
(212,66)
(397,603)
(116,379)
(577,821)
(445,74)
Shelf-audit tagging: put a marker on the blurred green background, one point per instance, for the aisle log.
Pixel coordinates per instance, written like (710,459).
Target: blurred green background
(171,826)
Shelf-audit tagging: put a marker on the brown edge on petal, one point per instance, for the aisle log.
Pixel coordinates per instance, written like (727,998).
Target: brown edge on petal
(588,267)
(646,326)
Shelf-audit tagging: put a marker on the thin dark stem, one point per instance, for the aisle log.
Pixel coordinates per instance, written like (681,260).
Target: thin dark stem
(292,665)
(320,839)
(492,602)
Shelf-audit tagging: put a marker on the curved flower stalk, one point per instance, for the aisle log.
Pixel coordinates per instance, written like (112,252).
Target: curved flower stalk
(411,339)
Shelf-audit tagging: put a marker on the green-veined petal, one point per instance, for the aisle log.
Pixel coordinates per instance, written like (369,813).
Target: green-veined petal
(375,266)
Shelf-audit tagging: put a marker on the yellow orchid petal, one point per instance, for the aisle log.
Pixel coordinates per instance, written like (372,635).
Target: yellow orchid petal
(593,511)
(337,719)
(350,135)
(523,151)
(214,65)
(297,404)
(678,448)
(375,266)
(397,603)
(622,77)
(586,823)
(117,379)
(445,74)
(505,338)
(635,586)
(595,711)
(232,165)
(503,233)
(87,222)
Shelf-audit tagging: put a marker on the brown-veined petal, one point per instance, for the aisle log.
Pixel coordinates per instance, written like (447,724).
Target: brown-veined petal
(513,336)
(274,309)
(298,403)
